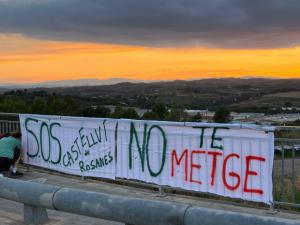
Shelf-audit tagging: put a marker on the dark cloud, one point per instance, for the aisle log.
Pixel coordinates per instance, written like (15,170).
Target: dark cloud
(214,23)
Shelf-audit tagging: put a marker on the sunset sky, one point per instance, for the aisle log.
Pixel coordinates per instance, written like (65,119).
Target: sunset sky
(45,40)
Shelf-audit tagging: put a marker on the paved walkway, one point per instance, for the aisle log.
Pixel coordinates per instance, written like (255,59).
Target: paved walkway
(11,213)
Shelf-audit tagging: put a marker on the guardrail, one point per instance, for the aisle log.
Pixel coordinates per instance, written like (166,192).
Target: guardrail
(38,197)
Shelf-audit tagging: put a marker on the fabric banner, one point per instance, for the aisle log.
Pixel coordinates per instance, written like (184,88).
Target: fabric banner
(79,146)
(225,159)
(216,158)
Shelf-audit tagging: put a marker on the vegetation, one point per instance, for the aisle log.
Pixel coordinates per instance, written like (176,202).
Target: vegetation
(128,113)
(239,95)
(97,111)
(41,103)
(222,115)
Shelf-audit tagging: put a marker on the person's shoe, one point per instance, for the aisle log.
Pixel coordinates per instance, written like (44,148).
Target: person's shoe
(16,174)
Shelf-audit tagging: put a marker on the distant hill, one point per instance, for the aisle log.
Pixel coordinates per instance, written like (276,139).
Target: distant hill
(72,83)
(251,94)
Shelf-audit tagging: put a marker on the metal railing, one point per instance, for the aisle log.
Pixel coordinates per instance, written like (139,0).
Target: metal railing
(9,123)
(286,172)
(9,126)
(38,197)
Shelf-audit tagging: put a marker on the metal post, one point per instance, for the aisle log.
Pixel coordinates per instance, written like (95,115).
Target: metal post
(282,172)
(293,175)
(161,192)
(82,158)
(272,211)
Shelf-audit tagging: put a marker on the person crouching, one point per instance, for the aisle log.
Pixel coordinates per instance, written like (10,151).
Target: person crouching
(10,154)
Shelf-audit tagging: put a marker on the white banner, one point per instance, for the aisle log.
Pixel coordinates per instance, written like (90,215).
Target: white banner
(80,146)
(216,158)
(225,159)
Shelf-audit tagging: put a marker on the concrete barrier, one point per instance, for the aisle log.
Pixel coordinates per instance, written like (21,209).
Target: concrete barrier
(128,210)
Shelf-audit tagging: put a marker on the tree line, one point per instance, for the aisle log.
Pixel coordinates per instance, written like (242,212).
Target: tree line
(68,106)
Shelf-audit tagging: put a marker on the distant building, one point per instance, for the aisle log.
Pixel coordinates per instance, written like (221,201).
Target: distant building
(207,116)
(193,112)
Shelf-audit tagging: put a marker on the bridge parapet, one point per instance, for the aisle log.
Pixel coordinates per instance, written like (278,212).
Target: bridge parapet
(125,209)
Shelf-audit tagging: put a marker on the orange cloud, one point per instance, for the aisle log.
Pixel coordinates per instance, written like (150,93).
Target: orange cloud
(28,60)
